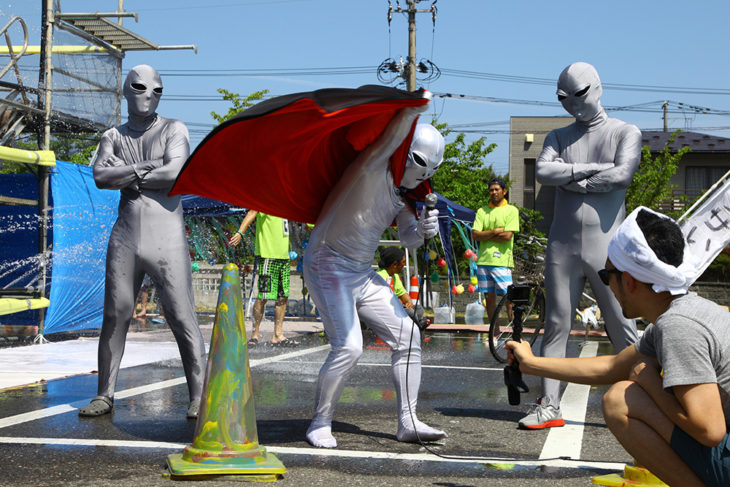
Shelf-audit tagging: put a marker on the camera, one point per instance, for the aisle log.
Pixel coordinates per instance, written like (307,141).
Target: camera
(519,294)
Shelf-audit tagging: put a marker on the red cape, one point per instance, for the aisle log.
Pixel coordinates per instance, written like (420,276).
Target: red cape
(283,156)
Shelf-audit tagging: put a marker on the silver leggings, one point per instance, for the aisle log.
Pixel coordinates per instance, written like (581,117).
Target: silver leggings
(345,291)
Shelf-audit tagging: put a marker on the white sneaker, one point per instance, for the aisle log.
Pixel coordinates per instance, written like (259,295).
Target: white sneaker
(541,417)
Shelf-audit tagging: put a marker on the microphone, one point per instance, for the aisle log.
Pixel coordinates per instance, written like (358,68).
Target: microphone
(431,200)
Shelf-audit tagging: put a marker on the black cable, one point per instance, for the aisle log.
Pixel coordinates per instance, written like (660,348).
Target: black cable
(408,399)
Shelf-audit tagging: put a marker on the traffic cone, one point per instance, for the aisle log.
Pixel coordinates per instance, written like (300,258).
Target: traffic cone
(413,290)
(634,475)
(226,441)
(378,344)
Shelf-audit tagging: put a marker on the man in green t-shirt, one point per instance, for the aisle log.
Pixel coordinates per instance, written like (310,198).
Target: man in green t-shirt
(392,261)
(494,229)
(272,260)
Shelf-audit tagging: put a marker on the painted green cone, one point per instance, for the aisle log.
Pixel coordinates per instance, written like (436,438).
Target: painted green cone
(226,442)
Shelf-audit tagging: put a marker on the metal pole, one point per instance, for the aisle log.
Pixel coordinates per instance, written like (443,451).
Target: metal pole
(411,65)
(44,173)
(46,53)
(665,106)
(118,108)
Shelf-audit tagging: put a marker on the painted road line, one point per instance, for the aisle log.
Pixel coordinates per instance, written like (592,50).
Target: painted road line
(322,452)
(135,391)
(41,413)
(50,361)
(566,442)
(423,366)
(288,355)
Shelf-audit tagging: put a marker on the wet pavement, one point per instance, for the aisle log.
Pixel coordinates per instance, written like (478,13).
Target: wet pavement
(43,442)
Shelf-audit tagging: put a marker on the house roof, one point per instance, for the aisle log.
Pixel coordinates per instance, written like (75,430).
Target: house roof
(698,142)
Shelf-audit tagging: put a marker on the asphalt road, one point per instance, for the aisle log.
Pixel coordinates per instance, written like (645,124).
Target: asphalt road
(43,442)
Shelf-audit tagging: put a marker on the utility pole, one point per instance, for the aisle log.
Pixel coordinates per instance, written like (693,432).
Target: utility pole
(665,106)
(44,174)
(411,60)
(118,108)
(409,70)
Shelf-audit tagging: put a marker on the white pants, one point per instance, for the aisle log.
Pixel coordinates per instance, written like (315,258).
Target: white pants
(345,291)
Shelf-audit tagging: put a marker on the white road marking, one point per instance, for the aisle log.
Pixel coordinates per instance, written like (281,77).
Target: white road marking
(135,391)
(286,450)
(49,361)
(423,366)
(561,449)
(566,442)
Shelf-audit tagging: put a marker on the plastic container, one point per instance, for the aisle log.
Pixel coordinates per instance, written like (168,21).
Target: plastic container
(474,314)
(444,315)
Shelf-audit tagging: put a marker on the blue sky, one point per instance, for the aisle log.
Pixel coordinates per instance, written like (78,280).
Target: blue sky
(511,48)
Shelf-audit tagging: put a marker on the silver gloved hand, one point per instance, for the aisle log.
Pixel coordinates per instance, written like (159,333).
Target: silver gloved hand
(428,224)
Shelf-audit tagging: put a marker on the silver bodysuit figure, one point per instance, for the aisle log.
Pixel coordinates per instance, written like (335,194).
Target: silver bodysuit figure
(142,158)
(591,162)
(340,278)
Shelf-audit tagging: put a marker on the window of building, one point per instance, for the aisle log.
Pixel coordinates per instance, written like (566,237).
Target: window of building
(528,199)
(700,178)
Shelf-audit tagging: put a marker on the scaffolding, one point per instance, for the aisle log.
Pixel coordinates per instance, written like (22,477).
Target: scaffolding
(78,91)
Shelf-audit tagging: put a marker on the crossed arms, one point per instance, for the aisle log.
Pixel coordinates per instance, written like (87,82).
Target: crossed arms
(590,177)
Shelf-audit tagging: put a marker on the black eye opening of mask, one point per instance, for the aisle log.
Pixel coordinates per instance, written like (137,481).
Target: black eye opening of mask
(561,97)
(157,91)
(139,86)
(583,91)
(419,160)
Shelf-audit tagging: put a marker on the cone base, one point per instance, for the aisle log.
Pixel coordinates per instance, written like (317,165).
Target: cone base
(267,468)
(633,475)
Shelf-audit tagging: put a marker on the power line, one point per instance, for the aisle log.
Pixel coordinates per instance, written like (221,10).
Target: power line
(224,73)
(646,107)
(223,5)
(678,107)
(518,132)
(458,73)
(610,86)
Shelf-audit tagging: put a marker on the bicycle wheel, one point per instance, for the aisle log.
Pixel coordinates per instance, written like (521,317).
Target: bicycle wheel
(500,326)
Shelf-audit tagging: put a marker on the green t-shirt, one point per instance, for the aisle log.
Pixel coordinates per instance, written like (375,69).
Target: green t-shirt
(272,237)
(488,218)
(397,285)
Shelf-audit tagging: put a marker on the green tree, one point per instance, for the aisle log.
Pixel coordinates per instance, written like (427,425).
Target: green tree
(464,175)
(463,178)
(651,185)
(239,103)
(210,234)
(73,147)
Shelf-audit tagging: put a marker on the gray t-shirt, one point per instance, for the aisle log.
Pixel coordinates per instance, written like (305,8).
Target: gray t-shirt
(691,341)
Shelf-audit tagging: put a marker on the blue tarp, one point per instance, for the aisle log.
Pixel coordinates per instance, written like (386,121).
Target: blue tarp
(19,241)
(201,207)
(83,217)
